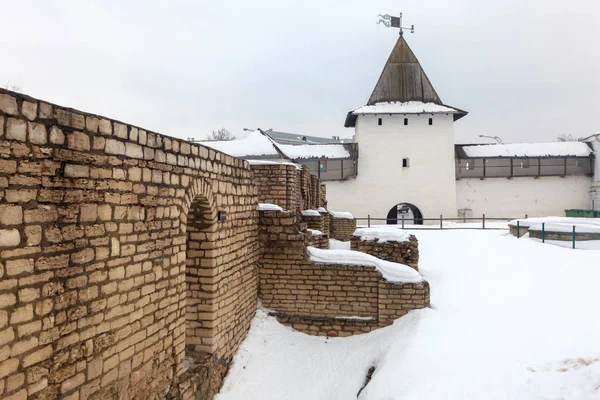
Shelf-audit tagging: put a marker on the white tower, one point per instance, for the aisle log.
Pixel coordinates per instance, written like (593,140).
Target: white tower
(405,139)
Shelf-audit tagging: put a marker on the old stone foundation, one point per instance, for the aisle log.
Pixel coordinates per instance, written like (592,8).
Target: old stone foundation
(325,299)
(131,262)
(399,252)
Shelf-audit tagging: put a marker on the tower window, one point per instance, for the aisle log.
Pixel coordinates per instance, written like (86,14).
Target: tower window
(405,162)
(380,121)
(430,121)
(405,121)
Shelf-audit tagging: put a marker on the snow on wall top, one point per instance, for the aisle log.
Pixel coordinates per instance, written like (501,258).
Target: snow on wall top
(315,151)
(341,214)
(255,144)
(409,107)
(560,224)
(391,272)
(269,207)
(310,213)
(551,149)
(382,234)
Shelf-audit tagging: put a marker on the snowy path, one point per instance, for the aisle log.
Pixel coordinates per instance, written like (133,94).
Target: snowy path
(509,320)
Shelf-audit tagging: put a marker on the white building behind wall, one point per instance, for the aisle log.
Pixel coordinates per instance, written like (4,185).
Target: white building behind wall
(405,137)
(404,162)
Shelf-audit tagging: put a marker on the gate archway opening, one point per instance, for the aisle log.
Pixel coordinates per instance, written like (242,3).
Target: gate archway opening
(412,215)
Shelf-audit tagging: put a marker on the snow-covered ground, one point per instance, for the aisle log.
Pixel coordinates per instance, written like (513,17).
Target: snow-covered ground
(510,319)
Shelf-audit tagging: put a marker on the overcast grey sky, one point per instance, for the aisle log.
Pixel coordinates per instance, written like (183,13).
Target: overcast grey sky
(525,70)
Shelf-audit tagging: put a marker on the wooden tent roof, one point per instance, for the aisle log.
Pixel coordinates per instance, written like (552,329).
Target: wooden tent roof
(403,80)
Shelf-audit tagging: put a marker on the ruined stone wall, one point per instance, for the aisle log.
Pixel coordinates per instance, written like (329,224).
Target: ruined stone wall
(399,252)
(322,195)
(341,228)
(107,233)
(278,184)
(314,222)
(318,241)
(305,189)
(326,220)
(325,299)
(315,192)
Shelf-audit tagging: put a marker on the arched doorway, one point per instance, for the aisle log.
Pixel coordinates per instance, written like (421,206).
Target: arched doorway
(412,215)
(200,273)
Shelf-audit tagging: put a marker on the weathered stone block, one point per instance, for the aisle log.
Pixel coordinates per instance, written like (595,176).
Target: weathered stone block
(77,171)
(56,135)
(29,110)
(8,104)
(114,146)
(78,141)
(16,129)
(37,133)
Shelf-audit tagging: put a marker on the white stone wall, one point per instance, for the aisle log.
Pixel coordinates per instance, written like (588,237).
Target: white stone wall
(595,189)
(382,182)
(501,197)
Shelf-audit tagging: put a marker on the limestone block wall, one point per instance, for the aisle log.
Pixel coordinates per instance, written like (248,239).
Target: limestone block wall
(318,241)
(399,252)
(289,186)
(322,195)
(325,299)
(341,228)
(278,184)
(314,222)
(326,220)
(315,192)
(305,189)
(113,263)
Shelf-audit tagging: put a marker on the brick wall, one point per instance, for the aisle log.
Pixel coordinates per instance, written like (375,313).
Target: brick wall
(399,252)
(341,228)
(290,187)
(322,195)
(113,266)
(326,221)
(278,184)
(314,222)
(325,299)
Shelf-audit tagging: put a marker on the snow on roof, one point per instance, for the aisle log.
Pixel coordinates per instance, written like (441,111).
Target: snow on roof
(255,144)
(315,151)
(258,145)
(267,162)
(391,272)
(409,107)
(269,207)
(341,214)
(315,232)
(548,149)
(382,234)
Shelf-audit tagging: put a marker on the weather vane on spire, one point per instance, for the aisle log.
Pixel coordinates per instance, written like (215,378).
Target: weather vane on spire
(394,22)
